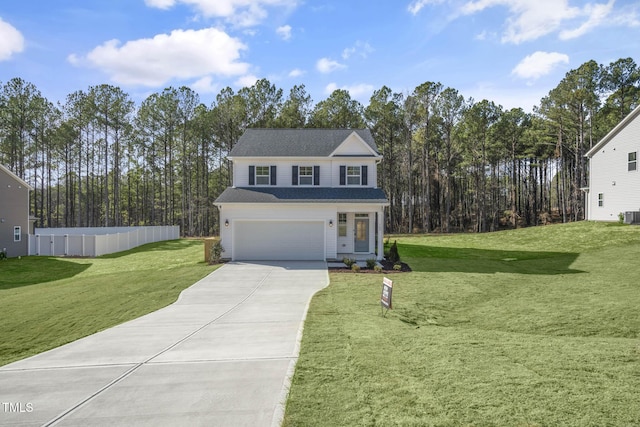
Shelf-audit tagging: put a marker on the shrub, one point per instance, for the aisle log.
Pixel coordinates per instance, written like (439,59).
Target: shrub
(378,269)
(397,267)
(394,256)
(216,252)
(355,268)
(620,218)
(371,263)
(348,261)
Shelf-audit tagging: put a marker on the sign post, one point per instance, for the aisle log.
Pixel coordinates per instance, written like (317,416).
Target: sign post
(385,299)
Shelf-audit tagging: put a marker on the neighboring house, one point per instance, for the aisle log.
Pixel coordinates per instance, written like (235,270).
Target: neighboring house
(303,194)
(14,214)
(614,172)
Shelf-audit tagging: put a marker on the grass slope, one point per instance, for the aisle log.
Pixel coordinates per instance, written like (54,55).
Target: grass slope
(46,302)
(532,327)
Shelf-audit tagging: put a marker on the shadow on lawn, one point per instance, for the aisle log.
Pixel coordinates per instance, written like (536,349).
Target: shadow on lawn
(166,245)
(437,259)
(15,273)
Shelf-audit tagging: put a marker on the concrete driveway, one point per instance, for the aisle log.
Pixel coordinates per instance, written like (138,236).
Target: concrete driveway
(222,355)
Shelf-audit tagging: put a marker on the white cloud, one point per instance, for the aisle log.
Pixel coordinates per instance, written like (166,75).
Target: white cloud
(530,20)
(539,64)
(327,65)
(361,91)
(363,49)
(160,4)
(243,13)
(417,5)
(183,54)
(246,81)
(11,40)
(597,15)
(284,32)
(296,72)
(205,85)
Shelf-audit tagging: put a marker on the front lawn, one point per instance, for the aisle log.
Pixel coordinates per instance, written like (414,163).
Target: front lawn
(46,301)
(532,327)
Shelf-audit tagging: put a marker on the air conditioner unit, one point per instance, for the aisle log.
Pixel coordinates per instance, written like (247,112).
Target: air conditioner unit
(632,217)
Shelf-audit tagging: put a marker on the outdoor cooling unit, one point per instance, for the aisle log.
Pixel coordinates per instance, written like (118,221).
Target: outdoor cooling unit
(632,217)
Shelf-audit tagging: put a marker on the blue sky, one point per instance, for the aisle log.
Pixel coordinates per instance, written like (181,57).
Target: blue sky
(511,52)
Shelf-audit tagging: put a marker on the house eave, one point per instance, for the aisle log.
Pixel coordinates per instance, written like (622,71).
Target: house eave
(616,130)
(16,177)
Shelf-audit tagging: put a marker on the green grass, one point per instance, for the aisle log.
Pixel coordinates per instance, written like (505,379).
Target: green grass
(46,302)
(532,327)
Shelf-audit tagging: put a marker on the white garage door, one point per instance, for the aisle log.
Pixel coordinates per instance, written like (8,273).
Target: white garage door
(278,240)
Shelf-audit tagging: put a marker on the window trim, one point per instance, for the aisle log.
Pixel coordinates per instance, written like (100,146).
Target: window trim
(342,225)
(300,176)
(17,237)
(359,175)
(268,175)
(632,163)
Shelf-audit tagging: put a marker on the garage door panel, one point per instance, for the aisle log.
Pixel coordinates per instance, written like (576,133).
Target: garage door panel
(279,240)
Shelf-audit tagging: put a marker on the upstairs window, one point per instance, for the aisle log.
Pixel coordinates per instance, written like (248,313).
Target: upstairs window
(353,175)
(633,164)
(600,199)
(305,175)
(262,175)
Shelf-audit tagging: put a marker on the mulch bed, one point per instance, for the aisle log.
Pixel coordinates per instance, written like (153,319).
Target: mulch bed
(387,268)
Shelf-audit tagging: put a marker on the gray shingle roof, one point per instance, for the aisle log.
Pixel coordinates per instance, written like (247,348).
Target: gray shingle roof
(302,195)
(295,142)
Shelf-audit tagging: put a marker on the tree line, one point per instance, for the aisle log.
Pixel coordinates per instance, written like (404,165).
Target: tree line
(450,163)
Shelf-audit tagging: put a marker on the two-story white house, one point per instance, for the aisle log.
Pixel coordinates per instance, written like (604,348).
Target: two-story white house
(303,194)
(614,172)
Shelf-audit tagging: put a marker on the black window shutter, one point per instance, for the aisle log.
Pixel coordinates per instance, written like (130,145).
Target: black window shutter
(316,175)
(364,175)
(273,175)
(252,175)
(294,175)
(343,175)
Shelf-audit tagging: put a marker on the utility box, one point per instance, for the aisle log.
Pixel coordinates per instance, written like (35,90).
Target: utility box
(632,217)
(208,244)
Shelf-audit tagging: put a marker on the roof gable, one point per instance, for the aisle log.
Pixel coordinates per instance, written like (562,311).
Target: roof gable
(298,142)
(354,145)
(15,177)
(615,131)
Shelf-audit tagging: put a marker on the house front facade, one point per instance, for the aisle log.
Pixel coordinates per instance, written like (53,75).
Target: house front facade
(14,214)
(303,194)
(614,172)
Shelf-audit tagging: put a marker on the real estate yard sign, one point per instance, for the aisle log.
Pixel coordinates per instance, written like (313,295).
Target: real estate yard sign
(387,288)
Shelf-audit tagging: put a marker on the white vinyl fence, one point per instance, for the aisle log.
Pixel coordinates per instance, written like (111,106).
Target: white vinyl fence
(96,241)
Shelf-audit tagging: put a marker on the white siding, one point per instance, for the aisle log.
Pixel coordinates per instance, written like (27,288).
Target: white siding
(283,170)
(608,175)
(346,161)
(291,213)
(329,169)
